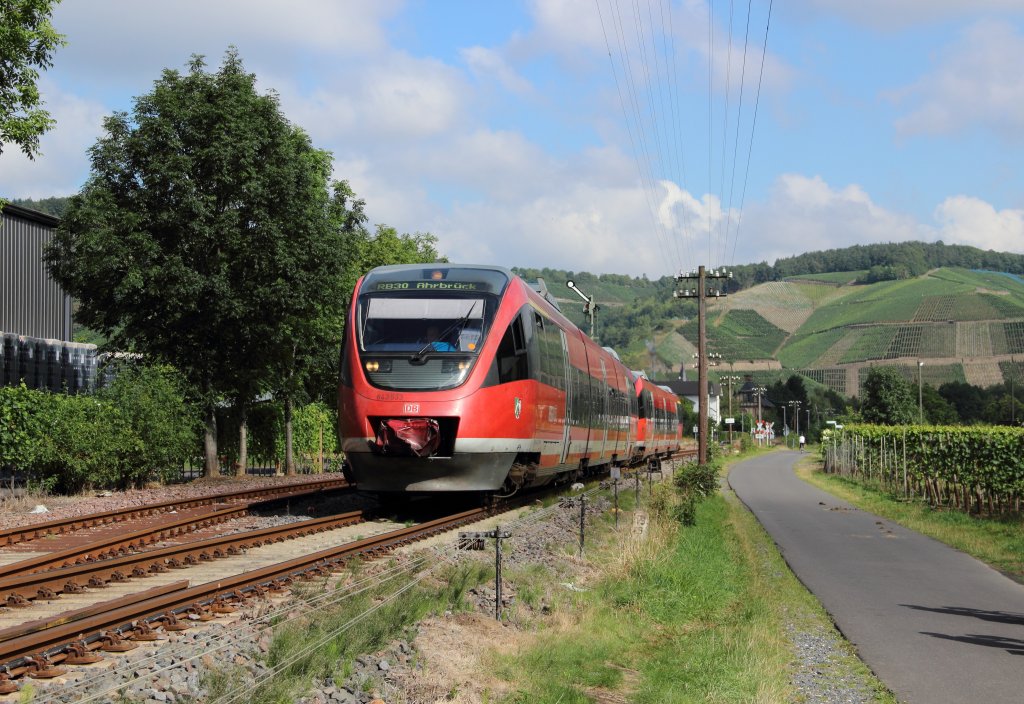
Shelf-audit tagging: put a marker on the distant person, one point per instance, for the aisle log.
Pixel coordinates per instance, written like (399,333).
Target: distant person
(803,441)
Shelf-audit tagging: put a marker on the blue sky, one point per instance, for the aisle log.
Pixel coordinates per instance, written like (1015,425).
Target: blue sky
(498,126)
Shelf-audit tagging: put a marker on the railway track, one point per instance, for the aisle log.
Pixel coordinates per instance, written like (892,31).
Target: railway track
(37,649)
(67,526)
(79,633)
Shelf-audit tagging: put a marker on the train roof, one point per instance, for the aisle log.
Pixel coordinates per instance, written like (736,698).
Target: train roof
(392,268)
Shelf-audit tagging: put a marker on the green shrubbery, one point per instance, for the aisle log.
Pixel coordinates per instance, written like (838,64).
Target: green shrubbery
(137,429)
(695,483)
(266,434)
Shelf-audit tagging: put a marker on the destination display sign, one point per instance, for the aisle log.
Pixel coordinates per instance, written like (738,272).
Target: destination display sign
(430,286)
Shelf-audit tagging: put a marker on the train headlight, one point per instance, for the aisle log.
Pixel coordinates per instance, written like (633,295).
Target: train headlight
(374,365)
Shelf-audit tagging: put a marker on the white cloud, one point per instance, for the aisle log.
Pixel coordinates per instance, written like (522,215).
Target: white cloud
(487,64)
(64,163)
(102,33)
(977,84)
(972,221)
(806,214)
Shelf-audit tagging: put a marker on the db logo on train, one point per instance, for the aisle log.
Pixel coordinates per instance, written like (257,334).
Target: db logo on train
(412,408)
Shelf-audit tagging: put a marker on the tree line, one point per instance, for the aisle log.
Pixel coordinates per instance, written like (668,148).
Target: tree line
(882,261)
(210,236)
(890,399)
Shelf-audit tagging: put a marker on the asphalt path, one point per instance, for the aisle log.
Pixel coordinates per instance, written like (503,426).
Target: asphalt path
(934,624)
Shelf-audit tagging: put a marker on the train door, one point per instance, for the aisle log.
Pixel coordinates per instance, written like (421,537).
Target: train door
(569,398)
(604,411)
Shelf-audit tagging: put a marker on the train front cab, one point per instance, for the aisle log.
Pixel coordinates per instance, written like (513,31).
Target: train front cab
(421,406)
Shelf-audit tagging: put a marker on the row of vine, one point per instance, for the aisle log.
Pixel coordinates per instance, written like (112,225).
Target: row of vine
(972,468)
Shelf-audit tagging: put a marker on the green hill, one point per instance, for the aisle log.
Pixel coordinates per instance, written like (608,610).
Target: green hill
(963,325)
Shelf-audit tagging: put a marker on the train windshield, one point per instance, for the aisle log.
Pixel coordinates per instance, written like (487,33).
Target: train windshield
(422,329)
(423,325)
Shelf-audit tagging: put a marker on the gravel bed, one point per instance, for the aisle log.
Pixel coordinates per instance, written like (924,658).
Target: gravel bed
(824,670)
(14,513)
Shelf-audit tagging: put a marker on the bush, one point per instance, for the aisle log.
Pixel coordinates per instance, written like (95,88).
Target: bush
(138,428)
(85,443)
(695,483)
(153,399)
(19,426)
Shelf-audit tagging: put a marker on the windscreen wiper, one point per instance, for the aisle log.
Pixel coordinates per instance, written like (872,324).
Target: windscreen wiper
(421,356)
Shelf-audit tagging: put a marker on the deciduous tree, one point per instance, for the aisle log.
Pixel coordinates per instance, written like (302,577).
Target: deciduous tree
(201,237)
(888,398)
(27,43)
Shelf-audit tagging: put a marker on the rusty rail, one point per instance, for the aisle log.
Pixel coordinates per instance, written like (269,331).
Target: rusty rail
(121,544)
(19,534)
(20,588)
(93,631)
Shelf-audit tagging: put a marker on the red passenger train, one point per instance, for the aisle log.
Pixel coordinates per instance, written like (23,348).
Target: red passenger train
(465,378)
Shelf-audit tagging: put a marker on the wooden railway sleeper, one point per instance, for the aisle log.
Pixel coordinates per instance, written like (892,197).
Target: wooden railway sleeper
(113,642)
(78,653)
(40,667)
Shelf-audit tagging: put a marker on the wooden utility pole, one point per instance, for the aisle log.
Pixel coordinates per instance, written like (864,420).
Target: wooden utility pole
(701,293)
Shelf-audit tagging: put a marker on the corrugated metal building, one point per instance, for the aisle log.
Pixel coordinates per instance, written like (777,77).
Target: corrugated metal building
(35,313)
(31,303)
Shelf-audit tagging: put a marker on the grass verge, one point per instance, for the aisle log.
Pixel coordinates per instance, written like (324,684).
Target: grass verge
(314,645)
(998,542)
(700,613)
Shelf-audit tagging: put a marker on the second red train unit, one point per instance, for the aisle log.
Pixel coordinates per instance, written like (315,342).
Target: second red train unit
(466,378)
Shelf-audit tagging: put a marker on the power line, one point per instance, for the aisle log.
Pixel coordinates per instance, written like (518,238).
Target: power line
(711,102)
(676,117)
(753,126)
(739,119)
(639,127)
(725,131)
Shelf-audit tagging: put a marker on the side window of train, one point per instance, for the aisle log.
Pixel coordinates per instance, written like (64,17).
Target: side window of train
(512,357)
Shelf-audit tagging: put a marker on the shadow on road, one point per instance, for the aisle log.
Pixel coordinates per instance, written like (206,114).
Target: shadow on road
(994,616)
(1014,646)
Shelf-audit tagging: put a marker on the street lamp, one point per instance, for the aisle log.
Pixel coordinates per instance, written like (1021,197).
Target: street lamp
(796,414)
(920,396)
(759,390)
